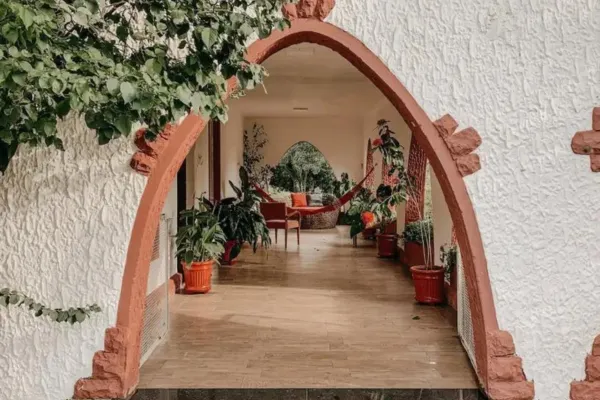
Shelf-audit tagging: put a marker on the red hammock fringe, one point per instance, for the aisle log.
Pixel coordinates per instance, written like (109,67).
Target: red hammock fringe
(319,210)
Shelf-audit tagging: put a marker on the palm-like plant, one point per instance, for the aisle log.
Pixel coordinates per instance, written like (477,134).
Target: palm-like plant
(240,217)
(200,238)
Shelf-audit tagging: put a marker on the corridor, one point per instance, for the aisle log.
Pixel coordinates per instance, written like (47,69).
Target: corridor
(321,315)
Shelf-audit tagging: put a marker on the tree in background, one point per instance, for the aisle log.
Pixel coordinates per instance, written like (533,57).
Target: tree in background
(303,168)
(122,62)
(254,144)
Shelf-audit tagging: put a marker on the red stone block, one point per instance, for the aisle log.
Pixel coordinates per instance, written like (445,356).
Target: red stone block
(581,390)
(463,142)
(511,391)
(468,164)
(506,369)
(500,344)
(446,125)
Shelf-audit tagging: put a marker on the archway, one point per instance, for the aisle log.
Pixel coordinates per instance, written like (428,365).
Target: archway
(116,369)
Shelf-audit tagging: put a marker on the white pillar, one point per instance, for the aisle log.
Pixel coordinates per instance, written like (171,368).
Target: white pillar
(442,221)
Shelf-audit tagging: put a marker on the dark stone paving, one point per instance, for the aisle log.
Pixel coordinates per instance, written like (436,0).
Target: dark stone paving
(308,394)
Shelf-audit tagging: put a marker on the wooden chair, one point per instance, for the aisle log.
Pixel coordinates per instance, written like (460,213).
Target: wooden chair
(277,217)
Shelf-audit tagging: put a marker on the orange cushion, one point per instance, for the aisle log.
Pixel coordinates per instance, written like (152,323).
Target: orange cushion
(299,200)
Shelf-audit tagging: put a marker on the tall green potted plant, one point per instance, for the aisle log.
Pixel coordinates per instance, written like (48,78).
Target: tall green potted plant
(199,244)
(240,218)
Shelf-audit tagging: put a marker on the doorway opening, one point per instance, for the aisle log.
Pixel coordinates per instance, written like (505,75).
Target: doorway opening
(122,347)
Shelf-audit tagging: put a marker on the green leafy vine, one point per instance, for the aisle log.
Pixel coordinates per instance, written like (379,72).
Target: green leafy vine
(119,63)
(13,298)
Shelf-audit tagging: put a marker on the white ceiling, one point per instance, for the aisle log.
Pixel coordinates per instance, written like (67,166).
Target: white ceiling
(313,78)
(312,62)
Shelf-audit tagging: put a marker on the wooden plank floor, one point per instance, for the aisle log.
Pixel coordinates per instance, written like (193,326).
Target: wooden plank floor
(320,315)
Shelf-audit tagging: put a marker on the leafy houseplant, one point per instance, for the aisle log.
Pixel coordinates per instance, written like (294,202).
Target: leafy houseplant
(449,257)
(240,218)
(200,242)
(360,215)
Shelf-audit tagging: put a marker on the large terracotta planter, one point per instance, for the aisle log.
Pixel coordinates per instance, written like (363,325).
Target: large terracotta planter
(232,250)
(429,284)
(387,245)
(198,277)
(414,254)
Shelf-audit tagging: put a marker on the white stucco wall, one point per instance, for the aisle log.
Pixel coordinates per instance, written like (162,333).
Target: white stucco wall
(232,149)
(339,139)
(526,75)
(66,220)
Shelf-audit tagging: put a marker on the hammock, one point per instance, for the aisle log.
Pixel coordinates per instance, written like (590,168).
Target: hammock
(304,211)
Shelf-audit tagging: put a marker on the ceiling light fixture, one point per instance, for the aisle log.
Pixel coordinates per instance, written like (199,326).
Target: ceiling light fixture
(300,108)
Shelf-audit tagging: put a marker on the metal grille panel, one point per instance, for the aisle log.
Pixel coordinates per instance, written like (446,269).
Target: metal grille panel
(156,313)
(465,323)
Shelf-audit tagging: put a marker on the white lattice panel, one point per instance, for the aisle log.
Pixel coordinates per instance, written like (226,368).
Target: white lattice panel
(465,323)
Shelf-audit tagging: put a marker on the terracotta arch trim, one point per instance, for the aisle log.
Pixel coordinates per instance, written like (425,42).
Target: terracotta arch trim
(588,142)
(116,369)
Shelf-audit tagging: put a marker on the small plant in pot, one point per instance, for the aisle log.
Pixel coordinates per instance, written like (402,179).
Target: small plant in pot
(200,243)
(427,277)
(388,197)
(240,219)
(417,238)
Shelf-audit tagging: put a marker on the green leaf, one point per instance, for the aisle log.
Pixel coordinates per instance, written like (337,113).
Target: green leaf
(26,17)
(6,137)
(209,37)
(123,124)
(80,316)
(184,94)
(112,85)
(12,35)
(128,92)
(20,79)
(63,108)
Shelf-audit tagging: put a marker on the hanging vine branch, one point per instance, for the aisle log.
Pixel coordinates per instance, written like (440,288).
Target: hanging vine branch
(13,298)
(122,62)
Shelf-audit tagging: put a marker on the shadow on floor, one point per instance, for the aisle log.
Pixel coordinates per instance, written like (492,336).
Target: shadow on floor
(308,394)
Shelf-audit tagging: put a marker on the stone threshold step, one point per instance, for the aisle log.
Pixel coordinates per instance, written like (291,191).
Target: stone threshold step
(308,394)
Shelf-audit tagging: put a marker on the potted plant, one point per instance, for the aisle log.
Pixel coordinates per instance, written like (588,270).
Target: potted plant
(360,216)
(449,259)
(427,277)
(388,197)
(199,244)
(240,218)
(416,237)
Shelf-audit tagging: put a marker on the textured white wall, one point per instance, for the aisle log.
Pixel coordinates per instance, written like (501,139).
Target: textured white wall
(525,74)
(66,220)
(232,148)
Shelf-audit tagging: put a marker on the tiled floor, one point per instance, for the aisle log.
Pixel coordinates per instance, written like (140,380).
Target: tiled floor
(319,316)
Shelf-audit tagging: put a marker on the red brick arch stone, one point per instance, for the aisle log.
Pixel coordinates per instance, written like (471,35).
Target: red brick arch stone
(116,369)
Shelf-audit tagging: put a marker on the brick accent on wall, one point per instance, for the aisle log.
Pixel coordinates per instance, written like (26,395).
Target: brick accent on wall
(461,144)
(588,142)
(506,379)
(589,389)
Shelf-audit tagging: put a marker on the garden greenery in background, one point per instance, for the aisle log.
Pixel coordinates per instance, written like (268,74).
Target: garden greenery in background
(303,168)
(122,62)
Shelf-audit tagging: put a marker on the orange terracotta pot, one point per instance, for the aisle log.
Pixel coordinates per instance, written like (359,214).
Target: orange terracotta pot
(429,284)
(198,277)
(387,245)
